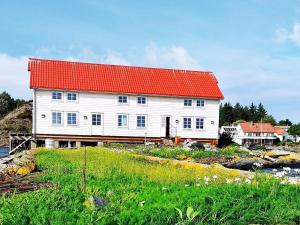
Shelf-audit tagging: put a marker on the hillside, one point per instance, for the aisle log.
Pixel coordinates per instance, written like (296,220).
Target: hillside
(18,121)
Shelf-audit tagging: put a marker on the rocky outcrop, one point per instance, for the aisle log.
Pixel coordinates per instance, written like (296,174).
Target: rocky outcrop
(21,163)
(271,159)
(17,121)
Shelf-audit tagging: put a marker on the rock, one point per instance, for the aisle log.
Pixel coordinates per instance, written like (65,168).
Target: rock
(168,142)
(95,202)
(24,170)
(247,164)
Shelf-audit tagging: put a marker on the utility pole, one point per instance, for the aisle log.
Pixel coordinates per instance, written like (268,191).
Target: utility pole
(261,137)
(84,172)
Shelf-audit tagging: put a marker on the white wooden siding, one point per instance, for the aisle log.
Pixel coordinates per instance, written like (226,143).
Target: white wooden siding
(109,108)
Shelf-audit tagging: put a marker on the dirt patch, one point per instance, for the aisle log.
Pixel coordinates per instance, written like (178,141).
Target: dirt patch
(17,184)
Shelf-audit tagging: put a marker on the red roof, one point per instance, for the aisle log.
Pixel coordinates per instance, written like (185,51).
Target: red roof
(63,75)
(249,127)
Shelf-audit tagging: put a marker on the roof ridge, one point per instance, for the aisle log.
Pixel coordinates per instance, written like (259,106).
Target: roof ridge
(119,65)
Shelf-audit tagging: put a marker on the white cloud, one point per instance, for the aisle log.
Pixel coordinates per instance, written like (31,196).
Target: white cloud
(282,35)
(174,56)
(14,77)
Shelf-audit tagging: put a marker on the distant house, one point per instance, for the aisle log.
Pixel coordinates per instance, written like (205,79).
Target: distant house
(255,133)
(76,103)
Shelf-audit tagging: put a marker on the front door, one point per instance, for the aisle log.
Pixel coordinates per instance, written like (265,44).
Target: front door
(167,126)
(97,126)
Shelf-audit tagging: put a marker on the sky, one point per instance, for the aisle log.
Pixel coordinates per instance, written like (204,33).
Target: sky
(252,46)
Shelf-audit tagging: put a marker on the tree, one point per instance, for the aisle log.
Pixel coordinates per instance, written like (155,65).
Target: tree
(269,119)
(226,114)
(261,111)
(225,140)
(294,130)
(253,115)
(285,122)
(7,104)
(238,111)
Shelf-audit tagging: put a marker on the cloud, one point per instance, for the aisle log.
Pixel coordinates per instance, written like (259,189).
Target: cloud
(174,56)
(14,77)
(282,35)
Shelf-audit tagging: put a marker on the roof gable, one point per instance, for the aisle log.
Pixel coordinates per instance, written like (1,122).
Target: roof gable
(63,75)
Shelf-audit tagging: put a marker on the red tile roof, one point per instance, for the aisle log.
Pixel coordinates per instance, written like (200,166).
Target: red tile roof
(279,130)
(249,127)
(63,75)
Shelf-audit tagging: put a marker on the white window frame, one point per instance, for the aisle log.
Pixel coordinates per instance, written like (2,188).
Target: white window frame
(73,93)
(55,99)
(123,103)
(77,119)
(142,104)
(187,128)
(204,103)
(190,100)
(146,122)
(127,120)
(61,118)
(97,114)
(200,129)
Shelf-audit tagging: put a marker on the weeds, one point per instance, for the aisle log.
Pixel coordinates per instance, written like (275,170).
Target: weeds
(141,192)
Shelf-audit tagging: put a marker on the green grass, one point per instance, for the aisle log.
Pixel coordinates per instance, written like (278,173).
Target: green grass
(140,192)
(180,153)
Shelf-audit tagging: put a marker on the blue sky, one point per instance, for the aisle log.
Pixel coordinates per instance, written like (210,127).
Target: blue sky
(253,46)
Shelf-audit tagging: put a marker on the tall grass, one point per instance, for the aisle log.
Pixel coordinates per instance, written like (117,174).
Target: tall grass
(139,192)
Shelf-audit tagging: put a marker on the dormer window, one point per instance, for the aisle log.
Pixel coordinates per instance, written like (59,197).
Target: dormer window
(123,99)
(188,102)
(56,95)
(72,96)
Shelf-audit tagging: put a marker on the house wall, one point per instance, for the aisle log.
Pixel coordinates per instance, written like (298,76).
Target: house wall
(108,106)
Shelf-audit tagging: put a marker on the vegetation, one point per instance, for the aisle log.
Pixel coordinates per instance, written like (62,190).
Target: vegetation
(294,130)
(139,192)
(236,114)
(8,104)
(181,153)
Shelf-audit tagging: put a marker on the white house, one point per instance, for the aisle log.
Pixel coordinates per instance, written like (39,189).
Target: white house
(255,133)
(76,102)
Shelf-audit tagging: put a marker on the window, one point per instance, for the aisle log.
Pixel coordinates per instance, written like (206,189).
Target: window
(200,103)
(141,100)
(200,123)
(72,96)
(188,102)
(56,118)
(72,118)
(123,99)
(122,120)
(141,121)
(57,95)
(96,119)
(187,122)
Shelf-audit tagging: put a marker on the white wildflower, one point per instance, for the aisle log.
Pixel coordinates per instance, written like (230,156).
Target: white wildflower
(248,181)
(186,185)
(206,179)
(197,185)
(274,170)
(288,169)
(215,177)
(237,179)
(164,188)
(206,182)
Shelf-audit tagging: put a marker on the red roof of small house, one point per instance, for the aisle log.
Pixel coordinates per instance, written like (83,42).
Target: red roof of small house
(79,76)
(279,130)
(249,127)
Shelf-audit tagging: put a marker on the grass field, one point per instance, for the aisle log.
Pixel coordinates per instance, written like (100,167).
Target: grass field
(143,192)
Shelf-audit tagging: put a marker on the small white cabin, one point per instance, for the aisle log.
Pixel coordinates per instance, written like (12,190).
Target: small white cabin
(83,102)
